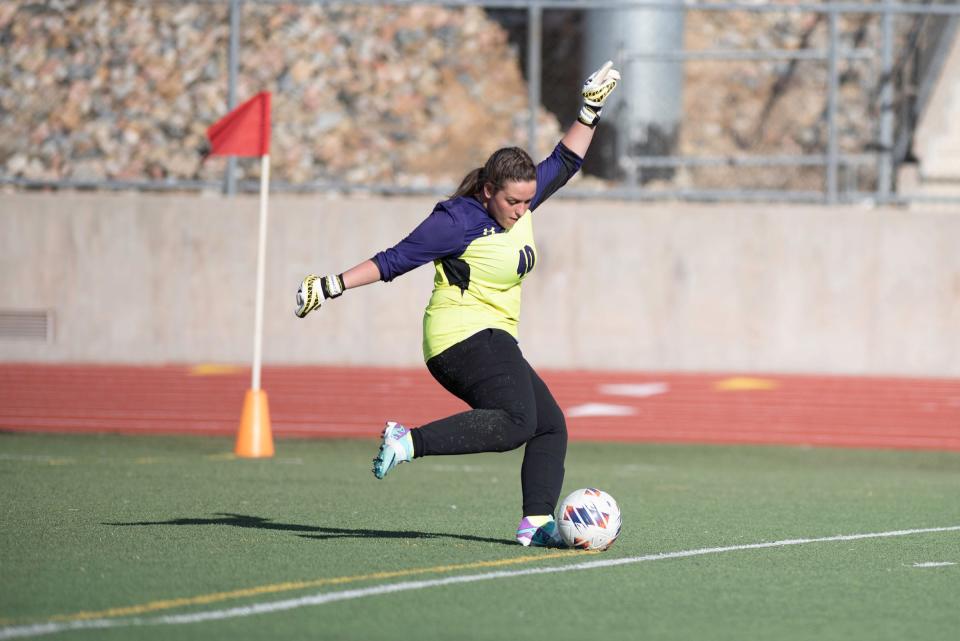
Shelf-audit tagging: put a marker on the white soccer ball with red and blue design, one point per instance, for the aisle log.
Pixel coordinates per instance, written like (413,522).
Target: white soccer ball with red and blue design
(589,519)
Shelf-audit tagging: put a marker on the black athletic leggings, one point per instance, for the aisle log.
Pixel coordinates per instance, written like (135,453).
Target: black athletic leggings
(511,406)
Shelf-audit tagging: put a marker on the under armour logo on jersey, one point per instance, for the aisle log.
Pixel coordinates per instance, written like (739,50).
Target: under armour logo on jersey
(489,231)
(527,259)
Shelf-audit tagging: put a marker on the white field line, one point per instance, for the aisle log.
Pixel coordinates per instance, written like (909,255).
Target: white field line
(39,629)
(37,458)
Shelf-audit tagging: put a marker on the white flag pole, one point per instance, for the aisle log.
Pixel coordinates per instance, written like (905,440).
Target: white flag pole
(261,269)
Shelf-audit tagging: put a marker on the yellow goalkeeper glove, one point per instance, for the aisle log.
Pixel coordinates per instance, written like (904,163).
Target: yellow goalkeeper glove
(314,289)
(596,89)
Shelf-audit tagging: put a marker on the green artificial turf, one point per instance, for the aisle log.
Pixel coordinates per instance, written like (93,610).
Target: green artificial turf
(93,523)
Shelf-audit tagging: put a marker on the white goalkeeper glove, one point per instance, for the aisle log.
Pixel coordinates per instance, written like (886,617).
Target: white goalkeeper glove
(596,90)
(314,289)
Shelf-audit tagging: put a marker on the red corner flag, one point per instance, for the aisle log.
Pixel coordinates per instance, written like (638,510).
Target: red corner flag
(245,131)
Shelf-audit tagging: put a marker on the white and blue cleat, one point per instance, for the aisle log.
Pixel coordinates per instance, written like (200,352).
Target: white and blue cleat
(396,448)
(539,531)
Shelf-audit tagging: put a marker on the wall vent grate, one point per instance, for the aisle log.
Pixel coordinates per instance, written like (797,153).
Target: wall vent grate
(26,325)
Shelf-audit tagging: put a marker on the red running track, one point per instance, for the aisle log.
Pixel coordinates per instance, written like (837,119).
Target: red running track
(352,402)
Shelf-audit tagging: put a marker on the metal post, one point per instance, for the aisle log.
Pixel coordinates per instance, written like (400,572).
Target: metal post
(534,42)
(834,87)
(885,161)
(233,62)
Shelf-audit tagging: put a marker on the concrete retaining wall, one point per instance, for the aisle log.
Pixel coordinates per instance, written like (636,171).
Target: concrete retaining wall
(158,278)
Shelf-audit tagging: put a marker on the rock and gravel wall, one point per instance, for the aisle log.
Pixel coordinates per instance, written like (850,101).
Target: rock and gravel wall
(93,89)
(106,89)
(778,107)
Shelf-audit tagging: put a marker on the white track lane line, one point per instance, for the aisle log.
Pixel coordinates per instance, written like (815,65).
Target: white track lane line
(39,629)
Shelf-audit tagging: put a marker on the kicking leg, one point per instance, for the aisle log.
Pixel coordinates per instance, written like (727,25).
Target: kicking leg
(488,372)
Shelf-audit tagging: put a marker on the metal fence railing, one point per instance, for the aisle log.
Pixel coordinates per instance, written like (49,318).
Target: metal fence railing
(841,168)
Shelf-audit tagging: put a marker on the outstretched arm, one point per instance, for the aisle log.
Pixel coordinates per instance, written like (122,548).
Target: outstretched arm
(315,289)
(363,274)
(438,235)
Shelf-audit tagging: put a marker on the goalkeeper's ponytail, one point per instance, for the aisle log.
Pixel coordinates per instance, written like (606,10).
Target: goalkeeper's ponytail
(471,184)
(503,166)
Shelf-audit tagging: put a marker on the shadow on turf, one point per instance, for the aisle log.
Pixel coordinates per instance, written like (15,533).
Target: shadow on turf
(314,531)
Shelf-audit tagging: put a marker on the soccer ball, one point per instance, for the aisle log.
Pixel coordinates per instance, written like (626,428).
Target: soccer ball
(589,519)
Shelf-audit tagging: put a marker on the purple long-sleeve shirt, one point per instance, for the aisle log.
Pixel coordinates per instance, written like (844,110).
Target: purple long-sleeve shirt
(456,223)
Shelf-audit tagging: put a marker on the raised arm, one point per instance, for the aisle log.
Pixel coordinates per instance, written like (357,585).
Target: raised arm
(554,172)
(578,138)
(596,89)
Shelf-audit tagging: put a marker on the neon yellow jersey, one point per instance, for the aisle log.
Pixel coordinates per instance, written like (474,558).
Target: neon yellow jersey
(479,264)
(480,288)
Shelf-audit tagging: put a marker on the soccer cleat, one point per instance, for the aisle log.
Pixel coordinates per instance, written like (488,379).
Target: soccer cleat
(396,448)
(539,531)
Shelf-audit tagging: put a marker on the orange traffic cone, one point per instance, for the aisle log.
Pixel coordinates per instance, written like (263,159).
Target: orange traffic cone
(254,440)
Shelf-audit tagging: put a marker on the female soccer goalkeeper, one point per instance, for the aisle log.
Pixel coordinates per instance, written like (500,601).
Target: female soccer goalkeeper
(481,244)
